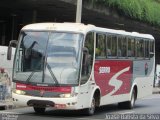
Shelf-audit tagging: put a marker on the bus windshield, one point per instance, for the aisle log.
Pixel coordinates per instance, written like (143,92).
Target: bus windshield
(48,58)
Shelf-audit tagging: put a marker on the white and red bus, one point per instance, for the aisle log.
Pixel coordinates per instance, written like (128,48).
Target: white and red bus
(74,66)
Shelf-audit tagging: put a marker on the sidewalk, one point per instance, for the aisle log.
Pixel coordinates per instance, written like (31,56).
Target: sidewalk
(7,104)
(156,90)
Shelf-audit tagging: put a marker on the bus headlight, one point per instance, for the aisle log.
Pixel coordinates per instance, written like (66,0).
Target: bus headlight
(67,95)
(19,92)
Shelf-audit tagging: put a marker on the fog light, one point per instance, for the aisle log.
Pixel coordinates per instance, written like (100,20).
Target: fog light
(19,92)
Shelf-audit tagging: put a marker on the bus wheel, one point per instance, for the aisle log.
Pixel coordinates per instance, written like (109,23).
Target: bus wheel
(39,110)
(91,110)
(129,104)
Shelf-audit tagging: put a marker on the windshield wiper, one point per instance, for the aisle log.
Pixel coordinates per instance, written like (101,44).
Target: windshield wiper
(49,68)
(30,76)
(52,74)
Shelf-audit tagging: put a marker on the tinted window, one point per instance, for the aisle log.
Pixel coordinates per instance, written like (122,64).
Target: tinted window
(112,45)
(122,46)
(131,47)
(101,46)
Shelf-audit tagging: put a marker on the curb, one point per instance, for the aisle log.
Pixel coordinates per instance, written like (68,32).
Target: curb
(156,90)
(6,105)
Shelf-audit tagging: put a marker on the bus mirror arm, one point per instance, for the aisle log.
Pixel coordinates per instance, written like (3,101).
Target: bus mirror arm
(85,55)
(12,43)
(86,60)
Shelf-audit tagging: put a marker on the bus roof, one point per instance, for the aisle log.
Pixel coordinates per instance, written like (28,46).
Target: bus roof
(80,28)
(70,27)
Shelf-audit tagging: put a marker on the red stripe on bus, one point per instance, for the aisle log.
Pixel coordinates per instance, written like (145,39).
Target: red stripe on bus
(64,89)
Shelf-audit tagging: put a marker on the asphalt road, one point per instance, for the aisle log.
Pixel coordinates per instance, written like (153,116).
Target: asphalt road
(149,105)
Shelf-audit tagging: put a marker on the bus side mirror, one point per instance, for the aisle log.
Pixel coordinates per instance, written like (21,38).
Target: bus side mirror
(151,54)
(12,43)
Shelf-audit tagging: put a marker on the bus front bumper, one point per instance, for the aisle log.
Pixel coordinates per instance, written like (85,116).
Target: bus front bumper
(57,103)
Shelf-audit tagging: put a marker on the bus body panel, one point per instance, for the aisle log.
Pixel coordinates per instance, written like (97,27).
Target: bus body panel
(115,99)
(83,91)
(86,93)
(21,100)
(114,78)
(143,76)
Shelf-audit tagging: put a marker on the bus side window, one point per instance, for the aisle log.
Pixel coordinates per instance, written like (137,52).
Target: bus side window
(136,48)
(101,46)
(140,48)
(120,40)
(111,46)
(122,46)
(131,47)
(146,48)
(151,49)
(109,43)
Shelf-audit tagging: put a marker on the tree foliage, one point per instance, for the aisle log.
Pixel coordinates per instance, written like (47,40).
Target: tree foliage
(143,10)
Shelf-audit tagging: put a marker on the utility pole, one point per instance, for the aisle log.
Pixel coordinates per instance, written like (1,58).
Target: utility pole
(13,26)
(79,11)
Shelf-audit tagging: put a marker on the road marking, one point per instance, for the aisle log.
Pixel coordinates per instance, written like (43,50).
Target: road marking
(127,112)
(5,112)
(150,98)
(88,118)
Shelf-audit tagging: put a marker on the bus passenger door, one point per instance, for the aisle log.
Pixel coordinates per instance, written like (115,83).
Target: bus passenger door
(87,66)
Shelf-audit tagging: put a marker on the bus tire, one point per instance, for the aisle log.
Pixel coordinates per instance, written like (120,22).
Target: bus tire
(129,104)
(39,110)
(90,111)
